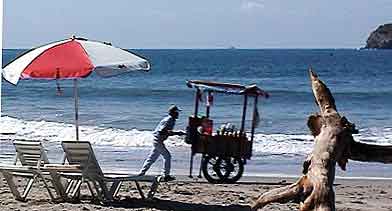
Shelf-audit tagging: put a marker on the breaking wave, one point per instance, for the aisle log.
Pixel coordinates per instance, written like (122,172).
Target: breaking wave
(275,144)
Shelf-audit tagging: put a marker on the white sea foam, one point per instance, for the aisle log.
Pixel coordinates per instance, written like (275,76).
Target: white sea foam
(264,143)
(56,132)
(282,144)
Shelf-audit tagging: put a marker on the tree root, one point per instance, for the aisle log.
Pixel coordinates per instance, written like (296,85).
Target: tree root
(294,192)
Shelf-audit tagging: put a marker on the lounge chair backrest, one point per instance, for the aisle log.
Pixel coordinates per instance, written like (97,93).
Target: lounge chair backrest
(30,153)
(81,153)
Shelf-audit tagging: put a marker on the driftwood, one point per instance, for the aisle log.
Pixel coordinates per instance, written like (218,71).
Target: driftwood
(334,144)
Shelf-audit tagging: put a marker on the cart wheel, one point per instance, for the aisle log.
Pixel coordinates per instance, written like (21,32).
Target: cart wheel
(230,169)
(210,169)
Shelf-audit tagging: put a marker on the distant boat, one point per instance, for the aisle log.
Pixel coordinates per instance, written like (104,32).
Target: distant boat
(231,48)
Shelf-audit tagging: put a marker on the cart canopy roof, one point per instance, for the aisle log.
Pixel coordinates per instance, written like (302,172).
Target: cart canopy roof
(228,88)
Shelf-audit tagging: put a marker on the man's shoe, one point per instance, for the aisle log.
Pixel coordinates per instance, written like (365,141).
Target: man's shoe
(168,178)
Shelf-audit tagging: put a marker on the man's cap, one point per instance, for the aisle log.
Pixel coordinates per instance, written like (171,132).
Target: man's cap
(173,108)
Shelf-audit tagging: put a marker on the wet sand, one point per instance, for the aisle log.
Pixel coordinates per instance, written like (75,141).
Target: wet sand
(187,194)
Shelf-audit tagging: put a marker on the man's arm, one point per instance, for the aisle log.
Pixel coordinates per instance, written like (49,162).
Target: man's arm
(176,133)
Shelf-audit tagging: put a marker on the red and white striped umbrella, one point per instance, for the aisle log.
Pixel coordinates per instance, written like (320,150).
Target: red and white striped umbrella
(71,59)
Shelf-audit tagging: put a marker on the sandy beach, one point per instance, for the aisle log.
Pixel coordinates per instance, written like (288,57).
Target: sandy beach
(186,194)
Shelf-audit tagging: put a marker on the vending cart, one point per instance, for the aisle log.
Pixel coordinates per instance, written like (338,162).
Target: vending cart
(224,149)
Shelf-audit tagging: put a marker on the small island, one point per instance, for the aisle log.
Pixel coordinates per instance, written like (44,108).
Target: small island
(381,38)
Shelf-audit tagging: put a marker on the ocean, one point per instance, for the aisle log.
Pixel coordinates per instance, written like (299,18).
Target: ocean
(117,114)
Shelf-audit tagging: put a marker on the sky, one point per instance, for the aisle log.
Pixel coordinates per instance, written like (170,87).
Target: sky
(196,24)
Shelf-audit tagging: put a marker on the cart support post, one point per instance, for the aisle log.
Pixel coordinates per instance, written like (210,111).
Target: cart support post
(195,115)
(208,116)
(197,102)
(244,113)
(254,119)
(201,163)
(208,105)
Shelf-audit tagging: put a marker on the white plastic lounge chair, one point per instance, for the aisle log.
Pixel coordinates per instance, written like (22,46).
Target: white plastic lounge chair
(30,158)
(73,176)
(81,153)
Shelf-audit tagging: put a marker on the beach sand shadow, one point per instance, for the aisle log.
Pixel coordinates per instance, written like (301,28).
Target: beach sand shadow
(174,205)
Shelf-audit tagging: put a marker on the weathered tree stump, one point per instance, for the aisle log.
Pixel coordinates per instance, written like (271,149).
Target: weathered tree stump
(334,143)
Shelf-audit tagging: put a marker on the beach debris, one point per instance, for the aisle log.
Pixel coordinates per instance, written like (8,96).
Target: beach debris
(334,144)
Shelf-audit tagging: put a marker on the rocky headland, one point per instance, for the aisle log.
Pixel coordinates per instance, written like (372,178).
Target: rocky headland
(381,38)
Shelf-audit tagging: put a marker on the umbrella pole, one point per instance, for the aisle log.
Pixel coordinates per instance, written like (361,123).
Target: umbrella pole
(76,97)
(1,64)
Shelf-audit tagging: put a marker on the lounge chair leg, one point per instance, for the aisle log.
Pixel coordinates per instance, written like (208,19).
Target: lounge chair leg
(28,188)
(115,188)
(47,188)
(140,190)
(154,187)
(91,189)
(99,192)
(69,186)
(14,190)
(56,182)
(76,190)
(105,191)
(108,195)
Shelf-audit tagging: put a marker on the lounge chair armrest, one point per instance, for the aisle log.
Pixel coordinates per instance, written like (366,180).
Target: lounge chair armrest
(60,167)
(16,168)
